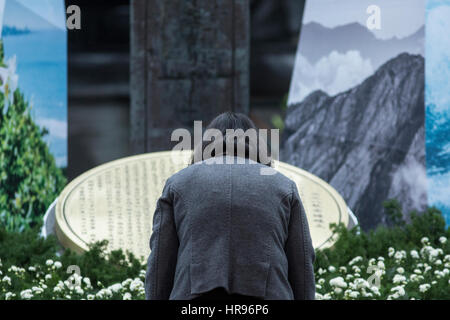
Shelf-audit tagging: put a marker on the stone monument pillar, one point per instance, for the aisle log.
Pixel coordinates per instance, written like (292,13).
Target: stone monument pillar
(189,61)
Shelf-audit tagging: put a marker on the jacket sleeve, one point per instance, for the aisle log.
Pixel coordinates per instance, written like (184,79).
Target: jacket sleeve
(300,252)
(164,249)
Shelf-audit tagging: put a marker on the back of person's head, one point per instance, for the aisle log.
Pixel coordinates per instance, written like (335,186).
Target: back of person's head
(239,137)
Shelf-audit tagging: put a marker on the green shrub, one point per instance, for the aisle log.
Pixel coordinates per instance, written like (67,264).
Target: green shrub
(29,178)
(29,261)
(413,260)
(403,235)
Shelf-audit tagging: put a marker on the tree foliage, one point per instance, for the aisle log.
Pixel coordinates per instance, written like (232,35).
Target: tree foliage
(29,178)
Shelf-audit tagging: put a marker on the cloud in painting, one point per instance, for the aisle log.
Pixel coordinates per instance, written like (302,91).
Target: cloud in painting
(333,74)
(56,128)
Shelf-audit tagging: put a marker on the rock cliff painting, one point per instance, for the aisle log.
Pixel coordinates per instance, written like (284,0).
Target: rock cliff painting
(437,99)
(34,39)
(356,112)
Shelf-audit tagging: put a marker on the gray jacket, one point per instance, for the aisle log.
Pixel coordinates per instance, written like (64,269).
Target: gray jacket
(226,225)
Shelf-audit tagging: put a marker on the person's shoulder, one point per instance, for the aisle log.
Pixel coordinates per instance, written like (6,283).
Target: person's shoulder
(180,174)
(186,173)
(269,176)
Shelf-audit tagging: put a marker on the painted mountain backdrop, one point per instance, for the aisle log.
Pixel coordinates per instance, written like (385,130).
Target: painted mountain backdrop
(336,59)
(367,142)
(357,37)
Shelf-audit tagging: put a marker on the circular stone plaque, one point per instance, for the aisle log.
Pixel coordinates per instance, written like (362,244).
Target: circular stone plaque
(116,202)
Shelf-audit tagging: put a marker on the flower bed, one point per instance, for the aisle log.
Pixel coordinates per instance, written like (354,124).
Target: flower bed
(421,273)
(403,261)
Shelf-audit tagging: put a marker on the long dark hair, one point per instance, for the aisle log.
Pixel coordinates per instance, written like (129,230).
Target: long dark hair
(234,121)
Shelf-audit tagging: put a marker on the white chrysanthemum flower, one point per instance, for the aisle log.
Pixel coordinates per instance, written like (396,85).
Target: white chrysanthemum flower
(354,294)
(398,278)
(438,262)
(425,240)
(343,269)
(136,285)
(127,282)
(37,290)
(400,290)
(375,290)
(416,278)
(57,289)
(7,280)
(90,297)
(443,240)
(142,273)
(13,269)
(380,265)
(321,281)
(417,271)
(337,290)
(87,282)
(326,296)
(49,262)
(361,283)
(424,287)
(127,296)
(391,251)
(414,254)
(68,296)
(115,287)
(400,255)
(26,294)
(79,291)
(356,269)
(331,269)
(57,265)
(108,292)
(9,295)
(318,286)
(48,276)
(400,270)
(318,296)
(338,282)
(31,269)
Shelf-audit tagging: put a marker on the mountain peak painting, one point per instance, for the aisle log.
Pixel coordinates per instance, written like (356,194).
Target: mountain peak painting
(356,115)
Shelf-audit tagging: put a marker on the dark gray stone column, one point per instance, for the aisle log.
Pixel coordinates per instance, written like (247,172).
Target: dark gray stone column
(189,61)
